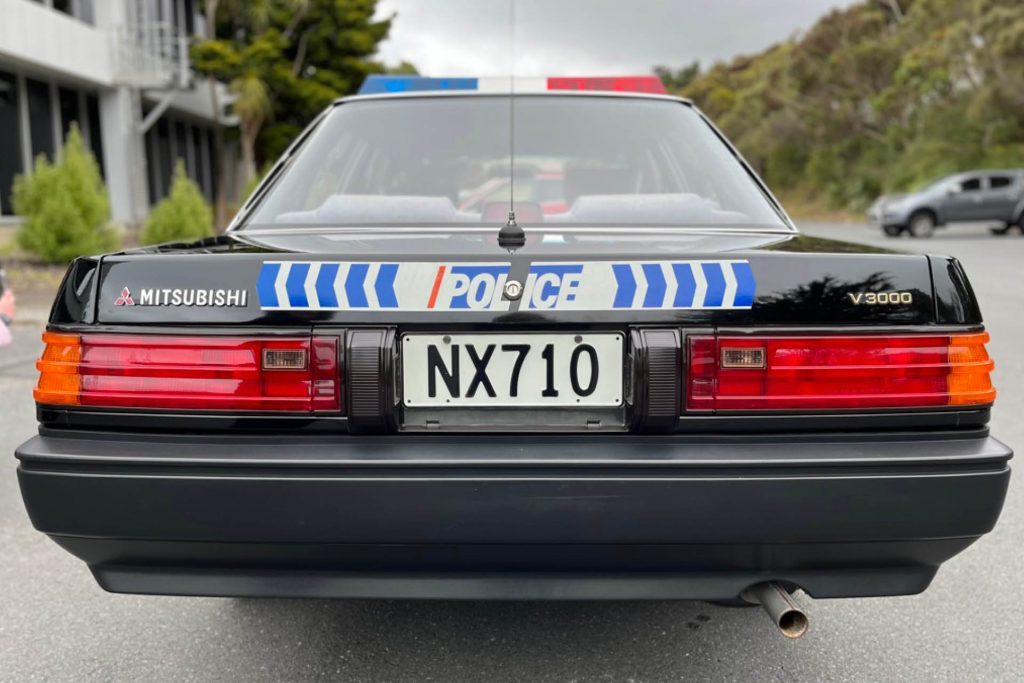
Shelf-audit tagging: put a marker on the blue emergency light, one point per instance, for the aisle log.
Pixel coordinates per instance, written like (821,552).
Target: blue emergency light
(378,84)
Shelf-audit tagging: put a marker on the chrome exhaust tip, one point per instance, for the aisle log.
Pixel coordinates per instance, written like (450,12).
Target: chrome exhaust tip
(781,608)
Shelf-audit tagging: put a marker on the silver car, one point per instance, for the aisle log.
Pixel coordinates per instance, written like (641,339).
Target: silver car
(974,196)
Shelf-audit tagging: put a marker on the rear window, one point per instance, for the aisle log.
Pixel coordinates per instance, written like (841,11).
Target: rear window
(578,161)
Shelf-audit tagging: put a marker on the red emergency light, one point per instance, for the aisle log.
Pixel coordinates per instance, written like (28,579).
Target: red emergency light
(648,84)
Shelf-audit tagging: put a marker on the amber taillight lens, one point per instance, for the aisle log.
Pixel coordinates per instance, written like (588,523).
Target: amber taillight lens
(290,374)
(838,372)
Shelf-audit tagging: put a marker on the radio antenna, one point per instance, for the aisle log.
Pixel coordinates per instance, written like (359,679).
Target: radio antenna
(511,236)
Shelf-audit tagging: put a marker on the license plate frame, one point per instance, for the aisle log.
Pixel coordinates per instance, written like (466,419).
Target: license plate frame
(453,364)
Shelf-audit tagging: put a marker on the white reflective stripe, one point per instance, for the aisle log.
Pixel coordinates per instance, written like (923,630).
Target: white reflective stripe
(370,285)
(499,84)
(641,284)
(339,285)
(730,284)
(671,285)
(701,289)
(310,286)
(280,286)
(595,288)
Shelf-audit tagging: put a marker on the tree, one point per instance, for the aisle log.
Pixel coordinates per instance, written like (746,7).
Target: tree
(286,61)
(677,79)
(878,96)
(64,205)
(252,106)
(182,215)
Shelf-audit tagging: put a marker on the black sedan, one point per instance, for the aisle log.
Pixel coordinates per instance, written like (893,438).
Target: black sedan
(652,388)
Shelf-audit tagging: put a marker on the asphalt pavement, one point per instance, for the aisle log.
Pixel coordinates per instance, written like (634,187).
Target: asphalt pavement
(56,624)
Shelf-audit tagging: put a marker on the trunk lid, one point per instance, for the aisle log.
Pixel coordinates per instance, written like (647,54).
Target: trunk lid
(288,277)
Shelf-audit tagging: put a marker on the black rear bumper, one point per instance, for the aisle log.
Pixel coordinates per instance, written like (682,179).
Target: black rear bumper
(512,516)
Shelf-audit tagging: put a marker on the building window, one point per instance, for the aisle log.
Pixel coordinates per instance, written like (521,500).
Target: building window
(84,12)
(165,159)
(70,112)
(202,161)
(40,118)
(181,147)
(211,149)
(10,140)
(92,108)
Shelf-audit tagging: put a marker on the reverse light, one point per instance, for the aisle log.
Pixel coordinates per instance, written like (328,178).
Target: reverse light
(837,372)
(291,374)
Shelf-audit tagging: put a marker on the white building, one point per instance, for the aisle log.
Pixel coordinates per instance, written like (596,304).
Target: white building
(120,69)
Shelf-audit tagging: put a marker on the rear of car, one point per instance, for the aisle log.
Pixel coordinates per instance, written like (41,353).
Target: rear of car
(666,393)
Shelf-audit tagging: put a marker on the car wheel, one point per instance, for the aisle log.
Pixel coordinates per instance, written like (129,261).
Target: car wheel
(892,230)
(922,225)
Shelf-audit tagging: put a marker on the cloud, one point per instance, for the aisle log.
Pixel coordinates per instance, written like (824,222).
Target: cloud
(456,37)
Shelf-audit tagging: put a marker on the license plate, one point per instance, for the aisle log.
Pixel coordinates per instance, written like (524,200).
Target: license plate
(512,370)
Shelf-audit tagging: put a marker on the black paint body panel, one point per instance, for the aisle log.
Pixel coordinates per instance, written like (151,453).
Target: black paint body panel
(839,503)
(527,517)
(800,280)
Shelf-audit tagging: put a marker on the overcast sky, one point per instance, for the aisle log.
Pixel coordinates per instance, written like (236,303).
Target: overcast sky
(586,37)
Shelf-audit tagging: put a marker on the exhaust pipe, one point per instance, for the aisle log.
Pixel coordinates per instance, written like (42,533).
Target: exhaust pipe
(780,606)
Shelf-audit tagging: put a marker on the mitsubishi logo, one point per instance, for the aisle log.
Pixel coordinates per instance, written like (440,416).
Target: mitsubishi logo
(125,299)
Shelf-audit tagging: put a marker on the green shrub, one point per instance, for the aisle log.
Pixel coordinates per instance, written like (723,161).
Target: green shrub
(182,215)
(64,205)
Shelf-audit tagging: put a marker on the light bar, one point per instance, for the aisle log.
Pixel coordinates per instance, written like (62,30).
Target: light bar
(648,84)
(377,84)
(380,84)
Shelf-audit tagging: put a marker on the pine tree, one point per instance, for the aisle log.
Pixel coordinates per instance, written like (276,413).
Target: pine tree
(182,215)
(64,206)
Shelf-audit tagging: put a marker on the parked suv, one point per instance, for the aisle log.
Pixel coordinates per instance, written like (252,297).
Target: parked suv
(964,197)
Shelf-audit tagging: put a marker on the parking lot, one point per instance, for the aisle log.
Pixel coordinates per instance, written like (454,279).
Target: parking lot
(56,624)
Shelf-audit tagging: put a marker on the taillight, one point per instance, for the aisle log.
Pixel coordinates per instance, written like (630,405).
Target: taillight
(293,374)
(837,372)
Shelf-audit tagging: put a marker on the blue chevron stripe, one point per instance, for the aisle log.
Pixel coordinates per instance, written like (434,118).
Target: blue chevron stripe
(745,284)
(716,284)
(354,285)
(686,285)
(325,285)
(265,285)
(295,285)
(654,297)
(385,285)
(625,285)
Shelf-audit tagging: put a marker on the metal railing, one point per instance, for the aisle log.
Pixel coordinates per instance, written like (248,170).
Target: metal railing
(151,54)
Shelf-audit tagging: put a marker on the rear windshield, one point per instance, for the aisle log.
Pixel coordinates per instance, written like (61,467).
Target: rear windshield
(577,161)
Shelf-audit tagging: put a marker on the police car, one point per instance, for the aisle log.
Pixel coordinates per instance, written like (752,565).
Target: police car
(372,388)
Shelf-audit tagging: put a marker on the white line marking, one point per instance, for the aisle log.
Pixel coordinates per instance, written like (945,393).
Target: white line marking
(730,284)
(280,286)
(310,285)
(701,289)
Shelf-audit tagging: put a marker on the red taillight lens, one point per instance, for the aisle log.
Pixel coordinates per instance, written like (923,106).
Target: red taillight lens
(836,372)
(191,373)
